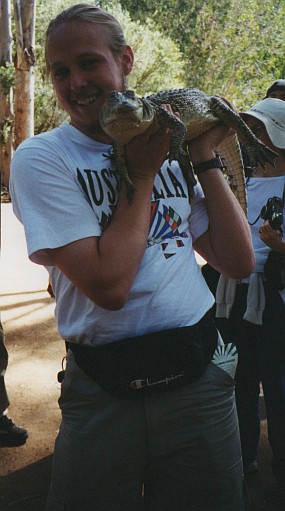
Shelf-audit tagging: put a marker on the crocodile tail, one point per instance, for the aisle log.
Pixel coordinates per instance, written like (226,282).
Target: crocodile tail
(230,153)
(260,153)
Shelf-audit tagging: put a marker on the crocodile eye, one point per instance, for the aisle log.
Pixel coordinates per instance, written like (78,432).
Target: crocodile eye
(130,94)
(113,94)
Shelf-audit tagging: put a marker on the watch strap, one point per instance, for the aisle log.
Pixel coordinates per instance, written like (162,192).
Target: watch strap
(215,163)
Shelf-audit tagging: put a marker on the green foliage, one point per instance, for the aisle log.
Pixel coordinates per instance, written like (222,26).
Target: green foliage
(158,61)
(7,77)
(177,18)
(233,48)
(244,55)
(227,47)
(48,113)
(6,126)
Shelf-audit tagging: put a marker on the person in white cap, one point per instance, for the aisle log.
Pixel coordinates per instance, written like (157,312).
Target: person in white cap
(254,308)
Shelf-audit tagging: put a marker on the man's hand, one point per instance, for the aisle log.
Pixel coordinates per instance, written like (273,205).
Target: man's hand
(146,153)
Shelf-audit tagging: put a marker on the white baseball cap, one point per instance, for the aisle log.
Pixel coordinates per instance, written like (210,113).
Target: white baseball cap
(271,112)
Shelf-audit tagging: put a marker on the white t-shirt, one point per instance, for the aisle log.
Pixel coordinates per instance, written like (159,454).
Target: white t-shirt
(259,190)
(64,188)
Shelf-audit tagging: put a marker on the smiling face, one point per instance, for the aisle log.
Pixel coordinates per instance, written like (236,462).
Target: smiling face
(84,70)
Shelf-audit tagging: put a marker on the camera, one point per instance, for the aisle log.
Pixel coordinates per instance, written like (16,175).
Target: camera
(273,211)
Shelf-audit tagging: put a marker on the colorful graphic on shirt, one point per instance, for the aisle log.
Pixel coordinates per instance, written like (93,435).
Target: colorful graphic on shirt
(101,192)
(165,225)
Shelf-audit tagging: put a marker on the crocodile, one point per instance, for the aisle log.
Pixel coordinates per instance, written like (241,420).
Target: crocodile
(124,116)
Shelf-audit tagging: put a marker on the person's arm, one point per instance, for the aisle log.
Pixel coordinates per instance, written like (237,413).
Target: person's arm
(227,243)
(104,268)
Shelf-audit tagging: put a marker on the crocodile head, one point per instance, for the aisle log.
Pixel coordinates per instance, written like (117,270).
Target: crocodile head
(124,115)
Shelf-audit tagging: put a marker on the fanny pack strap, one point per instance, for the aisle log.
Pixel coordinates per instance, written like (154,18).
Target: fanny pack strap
(139,366)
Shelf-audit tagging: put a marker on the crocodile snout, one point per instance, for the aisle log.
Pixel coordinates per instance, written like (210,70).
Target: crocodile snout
(125,108)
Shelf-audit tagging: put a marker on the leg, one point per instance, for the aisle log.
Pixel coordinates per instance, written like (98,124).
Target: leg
(100,451)
(272,363)
(246,336)
(4,401)
(247,399)
(11,435)
(195,457)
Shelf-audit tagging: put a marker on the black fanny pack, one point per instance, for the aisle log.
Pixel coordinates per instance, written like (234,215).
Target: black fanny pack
(139,366)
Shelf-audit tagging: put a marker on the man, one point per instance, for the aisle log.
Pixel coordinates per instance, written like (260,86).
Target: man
(130,297)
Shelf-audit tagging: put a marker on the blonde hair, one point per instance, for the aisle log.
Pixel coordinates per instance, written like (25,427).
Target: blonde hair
(89,14)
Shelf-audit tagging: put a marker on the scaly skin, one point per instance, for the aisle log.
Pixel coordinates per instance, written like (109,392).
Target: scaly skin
(124,116)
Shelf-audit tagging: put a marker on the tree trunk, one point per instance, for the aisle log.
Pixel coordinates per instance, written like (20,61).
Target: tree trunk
(6,92)
(25,11)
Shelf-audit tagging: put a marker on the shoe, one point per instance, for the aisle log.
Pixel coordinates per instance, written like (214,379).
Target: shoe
(250,468)
(10,434)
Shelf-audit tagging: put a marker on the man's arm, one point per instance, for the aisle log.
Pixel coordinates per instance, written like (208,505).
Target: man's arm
(104,267)
(227,243)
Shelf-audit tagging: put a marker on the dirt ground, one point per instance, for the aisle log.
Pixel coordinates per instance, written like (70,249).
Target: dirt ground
(36,352)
